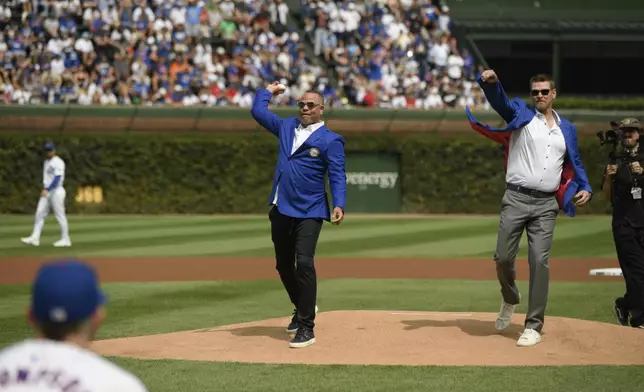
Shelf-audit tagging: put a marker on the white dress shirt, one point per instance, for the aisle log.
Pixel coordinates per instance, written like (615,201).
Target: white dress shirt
(536,155)
(301,134)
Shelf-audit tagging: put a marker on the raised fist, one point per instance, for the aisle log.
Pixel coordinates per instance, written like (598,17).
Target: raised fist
(489,76)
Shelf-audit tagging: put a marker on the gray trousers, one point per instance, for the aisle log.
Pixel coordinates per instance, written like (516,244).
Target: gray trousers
(537,216)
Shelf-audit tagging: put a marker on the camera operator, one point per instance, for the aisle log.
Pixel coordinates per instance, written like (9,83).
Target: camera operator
(622,185)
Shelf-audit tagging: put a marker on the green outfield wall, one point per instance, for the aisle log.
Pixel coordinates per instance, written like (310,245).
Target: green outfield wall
(231,173)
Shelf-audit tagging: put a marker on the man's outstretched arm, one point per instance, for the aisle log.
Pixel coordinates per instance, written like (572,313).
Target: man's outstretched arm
(496,95)
(260,111)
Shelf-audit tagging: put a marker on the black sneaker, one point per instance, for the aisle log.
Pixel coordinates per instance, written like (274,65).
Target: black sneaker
(292,327)
(637,322)
(303,338)
(621,315)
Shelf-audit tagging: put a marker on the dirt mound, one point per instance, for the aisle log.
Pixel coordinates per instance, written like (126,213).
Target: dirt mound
(395,338)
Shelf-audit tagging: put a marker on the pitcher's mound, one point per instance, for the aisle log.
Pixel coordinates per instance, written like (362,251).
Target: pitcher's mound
(395,338)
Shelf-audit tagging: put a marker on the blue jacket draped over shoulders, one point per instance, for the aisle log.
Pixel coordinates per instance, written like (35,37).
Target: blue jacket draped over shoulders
(517,114)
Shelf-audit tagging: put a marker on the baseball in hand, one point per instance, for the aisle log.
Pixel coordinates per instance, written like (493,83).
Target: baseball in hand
(276,88)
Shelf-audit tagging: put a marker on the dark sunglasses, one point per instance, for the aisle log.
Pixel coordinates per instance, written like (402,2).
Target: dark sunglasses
(543,92)
(310,105)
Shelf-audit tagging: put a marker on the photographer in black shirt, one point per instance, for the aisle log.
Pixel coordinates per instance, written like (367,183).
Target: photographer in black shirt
(622,185)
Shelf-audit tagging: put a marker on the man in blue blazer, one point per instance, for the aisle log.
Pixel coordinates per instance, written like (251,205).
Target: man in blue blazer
(544,174)
(307,151)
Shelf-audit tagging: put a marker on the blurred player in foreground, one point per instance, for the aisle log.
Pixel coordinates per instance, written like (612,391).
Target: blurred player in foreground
(66,312)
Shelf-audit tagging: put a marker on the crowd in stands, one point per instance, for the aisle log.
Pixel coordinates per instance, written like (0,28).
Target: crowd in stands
(393,53)
(385,53)
(183,52)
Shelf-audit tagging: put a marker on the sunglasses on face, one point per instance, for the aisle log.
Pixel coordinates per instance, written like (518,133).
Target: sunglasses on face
(310,105)
(543,92)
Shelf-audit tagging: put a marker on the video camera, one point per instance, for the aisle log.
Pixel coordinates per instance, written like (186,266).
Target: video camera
(611,136)
(615,137)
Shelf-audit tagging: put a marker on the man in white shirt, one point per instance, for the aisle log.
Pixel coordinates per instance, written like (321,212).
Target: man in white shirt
(57,65)
(439,52)
(55,45)
(178,15)
(455,65)
(5,14)
(279,12)
(350,17)
(544,172)
(66,311)
(52,197)
(84,44)
(143,13)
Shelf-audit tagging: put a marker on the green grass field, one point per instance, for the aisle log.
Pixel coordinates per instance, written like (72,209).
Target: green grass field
(447,237)
(145,308)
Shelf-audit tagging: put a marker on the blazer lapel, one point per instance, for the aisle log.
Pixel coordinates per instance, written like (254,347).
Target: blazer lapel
(291,138)
(566,134)
(315,136)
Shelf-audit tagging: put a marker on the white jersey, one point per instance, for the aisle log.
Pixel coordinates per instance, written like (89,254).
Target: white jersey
(36,365)
(51,168)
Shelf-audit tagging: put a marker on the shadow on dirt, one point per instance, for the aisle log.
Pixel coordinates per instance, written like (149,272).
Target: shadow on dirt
(470,327)
(277,333)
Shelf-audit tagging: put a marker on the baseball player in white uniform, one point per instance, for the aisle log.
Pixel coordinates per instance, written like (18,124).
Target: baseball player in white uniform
(66,312)
(52,197)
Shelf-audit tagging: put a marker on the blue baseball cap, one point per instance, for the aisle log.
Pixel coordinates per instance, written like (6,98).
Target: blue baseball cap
(65,291)
(49,146)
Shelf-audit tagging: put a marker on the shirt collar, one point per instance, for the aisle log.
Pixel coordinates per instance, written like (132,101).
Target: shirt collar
(311,127)
(555,115)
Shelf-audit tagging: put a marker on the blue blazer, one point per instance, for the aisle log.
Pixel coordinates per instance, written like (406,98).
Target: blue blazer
(517,114)
(301,176)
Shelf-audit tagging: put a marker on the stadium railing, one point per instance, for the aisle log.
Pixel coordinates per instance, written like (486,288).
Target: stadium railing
(77,118)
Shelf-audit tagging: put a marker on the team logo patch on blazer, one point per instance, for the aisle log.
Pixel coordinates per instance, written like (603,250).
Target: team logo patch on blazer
(314,152)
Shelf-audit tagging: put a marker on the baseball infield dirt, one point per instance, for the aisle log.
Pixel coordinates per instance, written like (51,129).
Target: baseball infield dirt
(364,337)
(142,269)
(394,338)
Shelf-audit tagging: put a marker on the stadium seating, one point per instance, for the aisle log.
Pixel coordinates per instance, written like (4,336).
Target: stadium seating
(174,52)
(398,55)
(217,53)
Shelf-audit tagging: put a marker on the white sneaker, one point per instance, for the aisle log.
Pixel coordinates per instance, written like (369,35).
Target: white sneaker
(530,337)
(62,243)
(30,241)
(504,318)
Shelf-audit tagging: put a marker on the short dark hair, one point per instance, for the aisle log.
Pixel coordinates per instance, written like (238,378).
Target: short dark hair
(542,77)
(59,331)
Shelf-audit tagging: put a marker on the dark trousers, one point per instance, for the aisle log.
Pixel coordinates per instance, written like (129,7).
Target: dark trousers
(629,244)
(294,240)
